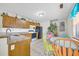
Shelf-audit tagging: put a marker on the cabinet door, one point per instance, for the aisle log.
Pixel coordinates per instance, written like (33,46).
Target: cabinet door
(12,22)
(27,24)
(25,48)
(20,23)
(9,21)
(6,21)
(14,49)
(21,48)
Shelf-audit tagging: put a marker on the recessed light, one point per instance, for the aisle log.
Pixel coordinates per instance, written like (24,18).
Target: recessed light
(40,14)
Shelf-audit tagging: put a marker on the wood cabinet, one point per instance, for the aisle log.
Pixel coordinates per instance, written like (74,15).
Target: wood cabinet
(15,51)
(21,48)
(14,22)
(5,21)
(27,24)
(25,48)
(34,24)
(9,21)
(37,24)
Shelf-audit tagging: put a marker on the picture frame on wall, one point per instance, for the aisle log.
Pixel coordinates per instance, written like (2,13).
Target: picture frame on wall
(62,26)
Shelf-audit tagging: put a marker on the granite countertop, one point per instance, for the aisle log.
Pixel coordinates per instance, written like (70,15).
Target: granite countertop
(15,34)
(14,39)
(15,31)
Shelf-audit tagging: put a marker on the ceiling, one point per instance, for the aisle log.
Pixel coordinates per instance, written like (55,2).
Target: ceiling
(50,11)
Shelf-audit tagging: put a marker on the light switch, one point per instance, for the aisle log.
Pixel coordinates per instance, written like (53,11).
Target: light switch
(13,47)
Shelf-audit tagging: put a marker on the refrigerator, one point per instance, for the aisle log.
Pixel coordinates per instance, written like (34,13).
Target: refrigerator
(39,30)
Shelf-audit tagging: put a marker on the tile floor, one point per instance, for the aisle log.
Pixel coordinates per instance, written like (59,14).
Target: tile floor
(37,48)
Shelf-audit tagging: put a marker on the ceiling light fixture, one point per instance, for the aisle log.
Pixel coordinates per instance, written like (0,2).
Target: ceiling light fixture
(40,14)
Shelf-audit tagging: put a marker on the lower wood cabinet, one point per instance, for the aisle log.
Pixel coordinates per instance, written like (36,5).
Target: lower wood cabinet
(21,48)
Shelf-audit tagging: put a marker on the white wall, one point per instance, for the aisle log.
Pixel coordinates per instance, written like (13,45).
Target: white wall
(28,10)
(76,24)
(70,27)
(46,24)
(1,22)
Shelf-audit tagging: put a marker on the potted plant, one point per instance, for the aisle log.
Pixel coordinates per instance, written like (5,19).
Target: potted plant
(53,28)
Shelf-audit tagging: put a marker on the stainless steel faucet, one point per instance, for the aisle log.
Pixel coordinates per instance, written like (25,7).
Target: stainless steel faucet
(8,29)
(8,34)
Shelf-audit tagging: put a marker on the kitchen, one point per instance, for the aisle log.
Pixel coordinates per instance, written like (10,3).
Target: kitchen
(32,29)
(16,35)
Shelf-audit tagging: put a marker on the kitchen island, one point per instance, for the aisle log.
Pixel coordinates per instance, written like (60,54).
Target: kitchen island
(15,43)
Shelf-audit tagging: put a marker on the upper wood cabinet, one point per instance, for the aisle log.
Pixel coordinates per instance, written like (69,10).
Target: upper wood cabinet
(9,21)
(6,22)
(22,23)
(34,24)
(14,22)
